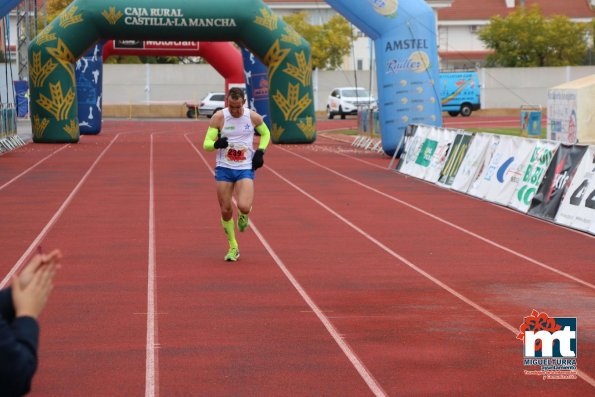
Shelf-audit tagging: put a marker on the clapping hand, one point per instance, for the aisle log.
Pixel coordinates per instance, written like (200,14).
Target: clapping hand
(31,289)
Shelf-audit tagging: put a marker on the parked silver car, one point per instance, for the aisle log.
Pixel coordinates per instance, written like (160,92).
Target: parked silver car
(212,102)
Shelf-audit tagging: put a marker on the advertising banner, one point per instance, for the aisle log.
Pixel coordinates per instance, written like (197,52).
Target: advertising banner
(531,121)
(561,114)
(570,111)
(21,88)
(558,177)
(491,162)
(494,175)
(533,173)
(152,46)
(409,134)
(445,140)
(577,209)
(89,83)
(510,173)
(412,149)
(257,85)
(426,152)
(455,159)
(481,147)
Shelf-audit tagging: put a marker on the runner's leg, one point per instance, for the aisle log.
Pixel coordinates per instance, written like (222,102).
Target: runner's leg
(245,192)
(224,195)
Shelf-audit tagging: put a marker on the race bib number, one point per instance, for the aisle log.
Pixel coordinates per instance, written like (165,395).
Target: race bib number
(236,154)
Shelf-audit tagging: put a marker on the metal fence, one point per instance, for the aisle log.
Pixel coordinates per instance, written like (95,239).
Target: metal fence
(367,121)
(9,139)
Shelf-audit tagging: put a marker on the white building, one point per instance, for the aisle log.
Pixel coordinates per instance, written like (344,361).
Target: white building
(459,24)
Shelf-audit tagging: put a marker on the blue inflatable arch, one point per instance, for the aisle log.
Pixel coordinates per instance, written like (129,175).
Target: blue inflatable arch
(404,34)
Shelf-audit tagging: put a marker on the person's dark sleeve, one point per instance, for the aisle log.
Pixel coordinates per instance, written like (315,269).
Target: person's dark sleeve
(19,338)
(6,306)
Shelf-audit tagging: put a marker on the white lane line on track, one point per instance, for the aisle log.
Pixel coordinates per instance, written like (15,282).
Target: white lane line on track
(151,368)
(54,218)
(344,346)
(439,219)
(410,264)
(351,355)
(33,166)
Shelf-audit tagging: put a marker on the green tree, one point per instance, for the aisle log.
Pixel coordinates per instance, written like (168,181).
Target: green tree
(52,9)
(123,59)
(330,42)
(526,38)
(590,57)
(55,7)
(174,60)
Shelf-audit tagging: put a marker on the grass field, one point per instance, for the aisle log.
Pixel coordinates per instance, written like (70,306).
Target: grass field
(513,131)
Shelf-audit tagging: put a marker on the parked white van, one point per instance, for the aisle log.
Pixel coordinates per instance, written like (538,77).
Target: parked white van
(345,100)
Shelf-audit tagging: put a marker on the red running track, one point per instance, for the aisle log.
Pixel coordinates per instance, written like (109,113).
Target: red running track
(353,280)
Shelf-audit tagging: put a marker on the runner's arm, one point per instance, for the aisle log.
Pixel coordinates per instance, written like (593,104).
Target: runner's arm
(210,138)
(265,136)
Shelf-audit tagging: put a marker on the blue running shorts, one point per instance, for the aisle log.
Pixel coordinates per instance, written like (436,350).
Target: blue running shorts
(223,174)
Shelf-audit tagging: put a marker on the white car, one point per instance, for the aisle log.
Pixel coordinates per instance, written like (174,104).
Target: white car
(211,103)
(345,100)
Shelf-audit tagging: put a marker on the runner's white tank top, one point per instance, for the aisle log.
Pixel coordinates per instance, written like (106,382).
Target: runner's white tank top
(240,136)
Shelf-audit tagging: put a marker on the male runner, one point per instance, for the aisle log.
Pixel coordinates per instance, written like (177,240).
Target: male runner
(231,132)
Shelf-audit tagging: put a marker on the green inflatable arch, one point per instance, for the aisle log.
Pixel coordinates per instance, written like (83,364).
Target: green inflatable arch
(249,22)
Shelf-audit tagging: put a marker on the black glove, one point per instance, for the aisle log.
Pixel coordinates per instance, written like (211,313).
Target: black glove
(221,143)
(257,159)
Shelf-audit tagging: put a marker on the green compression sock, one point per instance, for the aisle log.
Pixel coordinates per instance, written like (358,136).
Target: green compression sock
(243,221)
(228,227)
